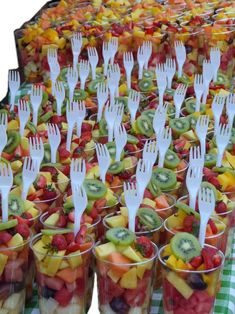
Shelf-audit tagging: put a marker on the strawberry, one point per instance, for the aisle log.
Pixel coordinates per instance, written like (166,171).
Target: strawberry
(41,182)
(207,258)
(221,208)
(66,170)
(63,297)
(49,193)
(64,153)
(217,259)
(52,170)
(215,182)
(27,216)
(69,237)
(100,204)
(5,237)
(73,247)
(196,261)
(213,226)
(71,216)
(62,222)
(81,234)
(56,119)
(23,230)
(94,213)
(59,242)
(188,221)
(148,194)
(144,246)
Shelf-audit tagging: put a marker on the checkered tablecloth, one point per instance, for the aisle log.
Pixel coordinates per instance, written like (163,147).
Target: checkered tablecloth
(225,301)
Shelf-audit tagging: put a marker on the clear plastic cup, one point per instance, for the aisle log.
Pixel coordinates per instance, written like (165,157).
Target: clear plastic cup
(45,205)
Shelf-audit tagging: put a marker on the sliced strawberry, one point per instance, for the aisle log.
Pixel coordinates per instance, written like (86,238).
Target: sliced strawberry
(72,247)
(215,182)
(69,237)
(63,297)
(71,216)
(41,182)
(23,230)
(59,242)
(221,208)
(207,258)
(196,261)
(217,260)
(5,237)
(62,222)
(64,153)
(188,221)
(144,246)
(213,226)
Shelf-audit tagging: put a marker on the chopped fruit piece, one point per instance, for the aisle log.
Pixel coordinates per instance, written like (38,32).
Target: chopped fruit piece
(130,253)
(180,285)
(16,240)
(129,279)
(63,297)
(59,242)
(104,250)
(3,261)
(144,246)
(117,258)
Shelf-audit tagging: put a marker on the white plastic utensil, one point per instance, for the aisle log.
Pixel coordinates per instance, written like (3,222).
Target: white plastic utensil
(77,172)
(29,174)
(106,53)
(59,93)
(14,84)
(3,138)
(199,89)
(54,139)
(54,73)
(170,69)
(72,79)
(180,53)
(206,204)
(4,120)
(76,45)
(52,56)
(150,152)
(193,183)
(120,136)
(217,109)
(159,118)
(222,137)
(215,56)
(128,61)
(133,201)
(119,116)
(161,81)
(133,103)
(110,114)
(102,97)
(164,141)
(36,150)
(104,159)
(201,131)
(196,158)
(179,96)
(113,46)
(93,59)
(141,58)
(36,100)
(71,115)
(84,69)
(143,176)
(230,108)
(6,181)
(148,47)
(80,117)
(207,72)
(80,203)
(113,78)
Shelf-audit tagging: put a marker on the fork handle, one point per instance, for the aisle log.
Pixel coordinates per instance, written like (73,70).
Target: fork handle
(177,112)
(35,117)
(69,138)
(162,154)
(22,126)
(103,175)
(100,111)
(5,208)
(77,220)
(110,133)
(25,190)
(180,70)
(202,232)
(58,107)
(131,221)
(117,91)
(82,85)
(79,128)
(53,154)
(203,146)
(71,92)
(219,159)
(118,153)
(12,101)
(140,73)
(106,62)
(198,103)
(93,72)
(160,97)
(192,200)
(128,79)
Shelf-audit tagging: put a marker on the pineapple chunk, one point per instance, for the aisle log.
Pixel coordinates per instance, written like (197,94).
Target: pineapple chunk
(74,261)
(129,279)
(171,261)
(39,250)
(124,211)
(13,301)
(33,211)
(131,254)
(116,221)
(52,263)
(28,205)
(3,261)
(184,289)
(104,250)
(149,202)
(16,240)
(52,219)
(63,181)
(13,125)
(16,165)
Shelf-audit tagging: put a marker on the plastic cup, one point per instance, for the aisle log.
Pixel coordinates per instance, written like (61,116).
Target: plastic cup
(45,205)
(136,293)
(187,290)
(62,289)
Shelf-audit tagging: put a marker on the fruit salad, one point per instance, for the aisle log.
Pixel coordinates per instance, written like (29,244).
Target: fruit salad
(191,275)
(14,254)
(125,272)
(62,265)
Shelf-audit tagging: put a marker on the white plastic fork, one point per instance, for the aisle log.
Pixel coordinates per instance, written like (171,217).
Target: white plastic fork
(113,78)
(193,183)
(36,150)
(128,61)
(14,84)
(80,203)
(3,138)
(29,174)
(77,172)
(198,89)
(180,53)
(207,72)
(161,81)
(170,68)
(3,120)
(222,137)
(133,103)
(71,115)
(72,79)
(179,96)
(201,131)
(150,152)
(120,136)
(143,176)
(52,56)
(76,45)
(159,118)
(80,117)
(164,141)
(206,205)
(59,94)
(141,61)
(230,108)
(119,115)
(84,69)
(106,53)
(215,56)
(102,97)
(54,139)
(93,59)
(110,114)
(36,100)
(113,46)
(54,73)
(6,181)
(104,159)
(217,109)
(196,158)
(133,201)
(148,52)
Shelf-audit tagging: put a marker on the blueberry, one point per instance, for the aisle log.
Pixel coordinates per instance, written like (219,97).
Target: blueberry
(196,282)
(188,48)
(119,305)
(47,292)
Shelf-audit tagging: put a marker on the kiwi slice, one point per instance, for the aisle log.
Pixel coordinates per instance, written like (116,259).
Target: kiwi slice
(31,127)
(221,169)
(154,188)
(210,186)
(210,160)
(149,113)
(192,118)
(188,210)
(92,86)
(116,167)
(170,92)
(144,125)
(179,125)
(171,159)
(190,106)
(222,79)
(112,150)
(18,179)
(103,127)
(79,94)
(46,117)
(185,246)
(145,85)
(185,80)
(122,101)
(47,154)
(51,232)
(148,74)
(8,225)
(120,236)
(15,205)
(132,139)
(95,189)
(171,110)
(149,218)
(164,178)
(13,140)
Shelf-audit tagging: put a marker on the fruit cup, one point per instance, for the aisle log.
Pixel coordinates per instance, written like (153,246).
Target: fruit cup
(45,204)
(62,275)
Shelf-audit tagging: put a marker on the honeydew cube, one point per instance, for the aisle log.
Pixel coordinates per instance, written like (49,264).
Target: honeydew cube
(49,306)
(52,263)
(64,264)
(52,219)
(14,300)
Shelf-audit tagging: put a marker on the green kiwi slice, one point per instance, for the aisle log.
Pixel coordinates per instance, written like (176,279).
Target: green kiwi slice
(15,205)
(92,86)
(8,225)
(179,125)
(188,210)
(47,153)
(210,186)
(210,160)
(171,111)
(116,167)
(51,232)
(185,80)
(190,106)
(46,117)
(148,74)
(149,218)
(63,74)
(164,178)
(122,101)
(103,127)
(154,188)
(171,159)
(144,125)
(221,169)
(170,92)
(112,150)
(18,179)
(222,79)
(120,236)
(13,140)
(31,127)
(145,85)
(185,246)
(149,113)
(132,139)
(95,189)
(79,94)
(192,118)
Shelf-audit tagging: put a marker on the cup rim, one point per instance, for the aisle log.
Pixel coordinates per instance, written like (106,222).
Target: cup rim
(52,199)
(26,242)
